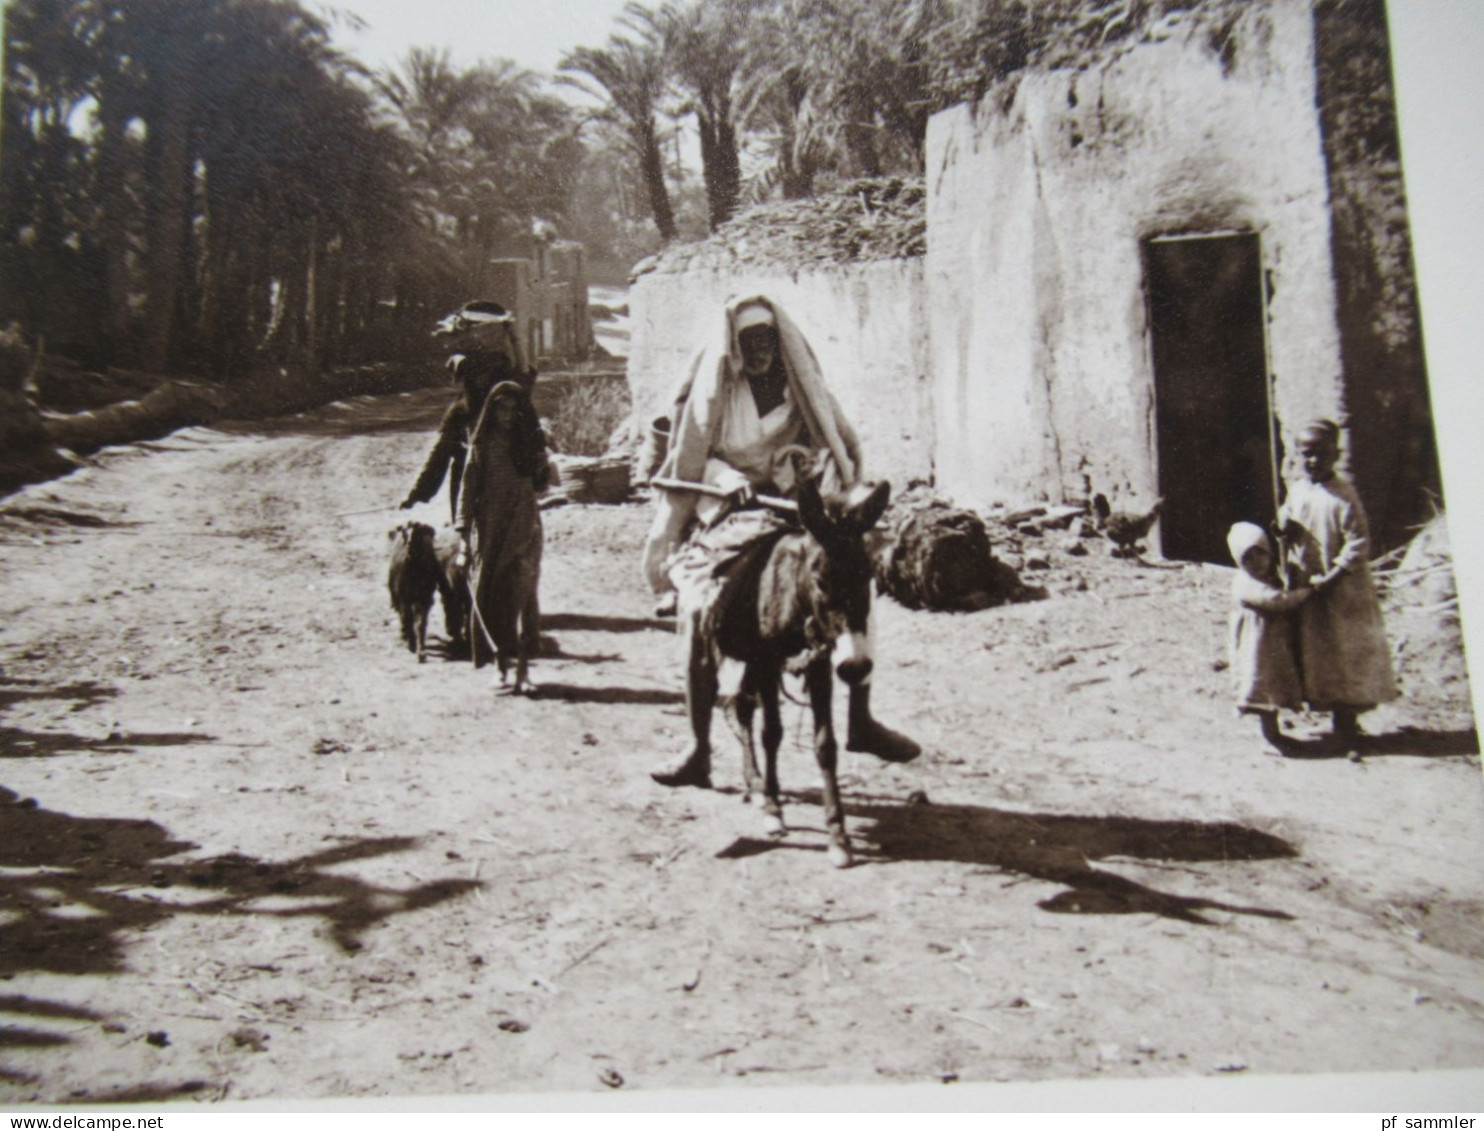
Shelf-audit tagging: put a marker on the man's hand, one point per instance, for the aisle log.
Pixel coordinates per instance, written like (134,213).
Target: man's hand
(741,496)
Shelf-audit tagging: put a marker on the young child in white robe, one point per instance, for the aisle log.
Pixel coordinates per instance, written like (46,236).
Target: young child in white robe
(1343,653)
(1263,661)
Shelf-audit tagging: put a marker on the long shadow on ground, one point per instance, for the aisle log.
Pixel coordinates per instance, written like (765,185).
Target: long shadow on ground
(17,742)
(1409,742)
(74,890)
(70,887)
(1053,847)
(571,693)
(593,622)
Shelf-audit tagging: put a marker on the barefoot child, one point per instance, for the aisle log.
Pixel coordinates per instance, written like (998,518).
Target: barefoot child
(1262,635)
(1342,640)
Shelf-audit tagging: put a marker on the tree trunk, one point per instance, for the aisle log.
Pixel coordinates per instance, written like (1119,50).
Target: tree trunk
(170,179)
(653,168)
(721,168)
(113,226)
(309,314)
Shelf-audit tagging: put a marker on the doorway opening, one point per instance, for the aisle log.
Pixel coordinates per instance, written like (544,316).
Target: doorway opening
(1214,426)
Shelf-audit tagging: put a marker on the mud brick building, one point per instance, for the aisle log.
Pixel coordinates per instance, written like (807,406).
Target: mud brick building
(548,294)
(1150,258)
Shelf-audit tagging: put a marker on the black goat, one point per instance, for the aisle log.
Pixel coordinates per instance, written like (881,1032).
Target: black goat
(412,578)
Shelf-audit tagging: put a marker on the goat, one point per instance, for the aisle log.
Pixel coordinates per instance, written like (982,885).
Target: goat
(412,579)
(453,588)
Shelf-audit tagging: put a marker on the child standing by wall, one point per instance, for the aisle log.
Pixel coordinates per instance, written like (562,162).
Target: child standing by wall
(1343,653)
(1262,635)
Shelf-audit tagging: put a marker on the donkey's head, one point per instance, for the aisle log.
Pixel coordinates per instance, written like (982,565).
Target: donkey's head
(840,571)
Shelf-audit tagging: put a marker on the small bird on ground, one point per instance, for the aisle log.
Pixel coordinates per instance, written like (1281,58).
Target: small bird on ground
(1124,530)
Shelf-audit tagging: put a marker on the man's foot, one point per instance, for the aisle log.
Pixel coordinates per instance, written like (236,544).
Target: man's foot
(1347,736)
(882,741)
(667,605)
(690,769)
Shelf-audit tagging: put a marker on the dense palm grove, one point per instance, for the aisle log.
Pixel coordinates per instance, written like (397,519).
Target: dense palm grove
(211,186)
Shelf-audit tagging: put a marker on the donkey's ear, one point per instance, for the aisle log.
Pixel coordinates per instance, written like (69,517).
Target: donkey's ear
(867,513)
(811,509)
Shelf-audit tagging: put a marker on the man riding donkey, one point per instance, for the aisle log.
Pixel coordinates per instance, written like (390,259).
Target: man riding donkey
(492,440)
(752,418)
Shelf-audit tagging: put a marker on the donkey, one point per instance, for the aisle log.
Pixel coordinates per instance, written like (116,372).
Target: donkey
(806,606)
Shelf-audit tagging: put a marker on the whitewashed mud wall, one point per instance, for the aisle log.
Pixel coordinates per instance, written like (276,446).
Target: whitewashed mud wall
(866,323)
(1036,212)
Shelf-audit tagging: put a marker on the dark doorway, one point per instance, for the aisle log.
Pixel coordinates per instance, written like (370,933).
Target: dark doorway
(1213,423)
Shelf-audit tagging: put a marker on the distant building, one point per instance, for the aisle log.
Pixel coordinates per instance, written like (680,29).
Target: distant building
(548,294)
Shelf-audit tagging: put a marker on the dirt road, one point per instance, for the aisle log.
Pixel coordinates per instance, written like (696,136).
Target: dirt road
(250,848)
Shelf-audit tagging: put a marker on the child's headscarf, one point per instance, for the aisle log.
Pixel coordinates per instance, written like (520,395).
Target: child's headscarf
(1243,537)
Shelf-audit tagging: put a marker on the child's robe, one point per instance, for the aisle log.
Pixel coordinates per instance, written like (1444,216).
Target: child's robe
(1342,638)
(1263,639)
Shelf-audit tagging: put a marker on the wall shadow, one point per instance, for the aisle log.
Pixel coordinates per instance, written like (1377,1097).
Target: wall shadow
(1057,848)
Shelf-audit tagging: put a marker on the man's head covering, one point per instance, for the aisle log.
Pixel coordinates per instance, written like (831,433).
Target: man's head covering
(1322,429)
(755,314)
(506,389)
(481,312)
(1244,537)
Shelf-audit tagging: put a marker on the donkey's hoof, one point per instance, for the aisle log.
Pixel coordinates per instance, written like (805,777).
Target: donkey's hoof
(840,855)
(773,825)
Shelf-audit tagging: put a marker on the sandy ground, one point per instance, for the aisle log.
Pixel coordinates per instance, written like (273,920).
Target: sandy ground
(249,848)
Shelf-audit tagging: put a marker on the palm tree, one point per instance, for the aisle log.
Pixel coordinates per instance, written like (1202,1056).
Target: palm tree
(778,93)
(703,42)
(493,154)
(628,78)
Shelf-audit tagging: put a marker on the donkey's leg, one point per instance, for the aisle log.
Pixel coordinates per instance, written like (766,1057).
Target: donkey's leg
(694,766)
(421,626)
(820,679)
(743,708)
(768,686)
